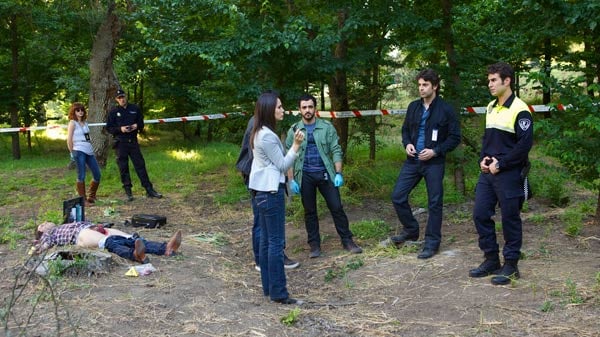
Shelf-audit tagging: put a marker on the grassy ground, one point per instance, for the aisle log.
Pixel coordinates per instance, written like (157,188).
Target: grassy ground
(212,289)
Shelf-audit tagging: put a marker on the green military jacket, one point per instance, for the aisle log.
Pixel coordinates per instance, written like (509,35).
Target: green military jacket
(327,142)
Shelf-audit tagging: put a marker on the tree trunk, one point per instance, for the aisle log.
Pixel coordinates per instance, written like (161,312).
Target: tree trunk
(338,92)
(14,88)
(103,80)
(597,220)
(458,158)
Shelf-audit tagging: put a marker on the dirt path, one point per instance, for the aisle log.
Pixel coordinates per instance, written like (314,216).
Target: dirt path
(212,289)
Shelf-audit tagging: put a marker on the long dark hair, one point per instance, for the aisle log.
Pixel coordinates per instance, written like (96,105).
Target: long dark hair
(264,114)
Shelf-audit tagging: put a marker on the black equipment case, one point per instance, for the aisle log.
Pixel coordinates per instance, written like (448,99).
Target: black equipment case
(148,220)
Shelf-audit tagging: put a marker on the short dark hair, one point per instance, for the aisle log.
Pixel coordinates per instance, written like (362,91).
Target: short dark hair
(504,70)
(429,75)
(307,97)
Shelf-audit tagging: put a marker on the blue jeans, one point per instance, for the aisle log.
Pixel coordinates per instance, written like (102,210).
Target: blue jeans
(311,181)
(124,247)
(255,231)
(410,175)
(81,160)
(271,217)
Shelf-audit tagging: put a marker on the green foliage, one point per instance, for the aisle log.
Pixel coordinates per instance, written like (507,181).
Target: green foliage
(570,294)
(341,272)
(573,219)
(58,267)
(8,234)
(370,229)
(291,318)
(547,306)
(573,135)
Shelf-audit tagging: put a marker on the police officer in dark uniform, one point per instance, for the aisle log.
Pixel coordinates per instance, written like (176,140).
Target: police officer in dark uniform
(507,140)
(124,122)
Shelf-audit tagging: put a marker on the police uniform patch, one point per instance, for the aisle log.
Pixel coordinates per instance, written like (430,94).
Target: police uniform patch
(524,124)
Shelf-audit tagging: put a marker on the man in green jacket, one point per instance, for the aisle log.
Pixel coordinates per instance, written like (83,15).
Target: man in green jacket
(319,166)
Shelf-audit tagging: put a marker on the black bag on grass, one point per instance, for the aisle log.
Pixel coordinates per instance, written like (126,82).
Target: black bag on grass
(148,220)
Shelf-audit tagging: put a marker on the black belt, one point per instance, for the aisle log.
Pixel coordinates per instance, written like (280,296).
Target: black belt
(127,140)
(281,185)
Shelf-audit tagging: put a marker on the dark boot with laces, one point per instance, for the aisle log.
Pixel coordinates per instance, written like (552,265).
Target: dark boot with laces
(509,272)
(491,265)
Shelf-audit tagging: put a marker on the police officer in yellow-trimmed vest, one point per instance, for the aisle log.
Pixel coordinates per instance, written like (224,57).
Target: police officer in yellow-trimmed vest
(507,140)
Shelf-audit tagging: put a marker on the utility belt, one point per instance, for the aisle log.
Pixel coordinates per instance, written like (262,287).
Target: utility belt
(126,140)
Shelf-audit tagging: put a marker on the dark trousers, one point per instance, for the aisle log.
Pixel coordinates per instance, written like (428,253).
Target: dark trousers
(410,175)
(505,189)
(311,181)
(124,247)
(131,149)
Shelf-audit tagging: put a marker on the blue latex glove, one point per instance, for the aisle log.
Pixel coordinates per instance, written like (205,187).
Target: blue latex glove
(338,180)
(295,187)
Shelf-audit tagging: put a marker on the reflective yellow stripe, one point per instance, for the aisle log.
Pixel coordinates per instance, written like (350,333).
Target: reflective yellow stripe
(503,118)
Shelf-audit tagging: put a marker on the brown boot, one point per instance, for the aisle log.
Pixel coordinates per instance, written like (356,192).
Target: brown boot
(92,193)
(139,251)
(173,244)
(81,192)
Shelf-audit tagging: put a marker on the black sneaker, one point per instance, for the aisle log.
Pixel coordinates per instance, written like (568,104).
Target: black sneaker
(289,263)
(403,237)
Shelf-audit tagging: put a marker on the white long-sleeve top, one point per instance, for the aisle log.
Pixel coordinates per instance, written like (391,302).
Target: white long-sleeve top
(269,164)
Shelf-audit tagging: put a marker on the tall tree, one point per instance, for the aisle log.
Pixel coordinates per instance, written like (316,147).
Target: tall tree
(103,81)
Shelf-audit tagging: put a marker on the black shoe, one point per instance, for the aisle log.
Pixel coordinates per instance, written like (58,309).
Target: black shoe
(289,263)
(315,251)
(403,237)
(491,265)
(352,247)
(151,193)
(427,253)
(129,193)
(289,300)
(508,272)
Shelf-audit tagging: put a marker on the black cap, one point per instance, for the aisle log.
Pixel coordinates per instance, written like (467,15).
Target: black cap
(120,93)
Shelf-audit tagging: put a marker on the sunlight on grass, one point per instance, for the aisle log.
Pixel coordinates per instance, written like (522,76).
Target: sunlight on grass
(185,155)
(56,132)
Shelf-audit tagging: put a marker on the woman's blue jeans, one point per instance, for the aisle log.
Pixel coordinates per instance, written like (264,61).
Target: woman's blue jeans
(82,159)
(271,217)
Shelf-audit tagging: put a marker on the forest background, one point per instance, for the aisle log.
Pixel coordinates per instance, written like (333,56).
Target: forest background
(181,58)
(187,58)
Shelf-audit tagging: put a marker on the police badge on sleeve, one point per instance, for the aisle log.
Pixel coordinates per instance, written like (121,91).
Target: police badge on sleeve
(524,124)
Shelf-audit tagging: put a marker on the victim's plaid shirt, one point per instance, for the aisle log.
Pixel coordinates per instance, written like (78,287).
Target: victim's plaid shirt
(63,235)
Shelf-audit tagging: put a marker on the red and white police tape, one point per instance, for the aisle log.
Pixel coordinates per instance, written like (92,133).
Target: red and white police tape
(323,114)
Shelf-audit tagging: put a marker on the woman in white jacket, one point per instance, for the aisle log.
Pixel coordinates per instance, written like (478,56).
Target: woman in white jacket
(267,183)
